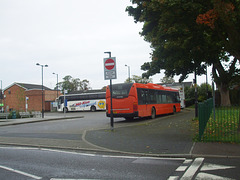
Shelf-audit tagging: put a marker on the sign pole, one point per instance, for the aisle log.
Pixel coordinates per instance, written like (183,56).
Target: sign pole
(111,110)
(112,120)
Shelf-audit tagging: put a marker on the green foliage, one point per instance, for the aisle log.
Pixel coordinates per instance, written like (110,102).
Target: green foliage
(181,45)
(189,103)
(225,128)
(167,80)
(235,96)
(10,116)
(178,43)
(189,92)
(203,94)
(70,84)
(139,79)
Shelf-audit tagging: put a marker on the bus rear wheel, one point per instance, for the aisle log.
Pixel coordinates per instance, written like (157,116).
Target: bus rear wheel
(174,109)
(153,114)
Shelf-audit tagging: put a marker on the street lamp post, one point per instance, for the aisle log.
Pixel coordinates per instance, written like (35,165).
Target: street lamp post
(57,83)
(42,86)
(128,72)
(196,94)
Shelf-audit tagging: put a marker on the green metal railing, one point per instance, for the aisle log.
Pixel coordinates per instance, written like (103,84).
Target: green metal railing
(204,113)
(220,124)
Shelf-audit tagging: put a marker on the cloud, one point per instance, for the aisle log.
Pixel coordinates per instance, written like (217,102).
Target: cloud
(70,36)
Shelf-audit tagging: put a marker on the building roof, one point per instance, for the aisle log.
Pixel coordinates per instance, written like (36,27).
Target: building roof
(29,86)
(87,91)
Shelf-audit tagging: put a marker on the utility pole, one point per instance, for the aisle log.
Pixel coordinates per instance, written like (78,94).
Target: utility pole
(196,95)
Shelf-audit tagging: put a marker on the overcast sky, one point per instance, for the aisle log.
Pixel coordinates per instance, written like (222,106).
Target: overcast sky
(70,36)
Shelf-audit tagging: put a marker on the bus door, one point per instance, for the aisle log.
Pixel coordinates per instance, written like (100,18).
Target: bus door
(142,102)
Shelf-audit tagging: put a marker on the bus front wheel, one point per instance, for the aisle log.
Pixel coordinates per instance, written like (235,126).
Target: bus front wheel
(93,108)
(153,114)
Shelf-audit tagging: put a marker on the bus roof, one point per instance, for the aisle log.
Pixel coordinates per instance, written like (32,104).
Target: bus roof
(150,86)
(85,93)
(155,86)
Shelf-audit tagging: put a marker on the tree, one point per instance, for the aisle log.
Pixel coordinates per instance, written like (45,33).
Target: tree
(84,85)
(223,19)
(71,84)
(204,92)
(182,44)
(189,92)
(167,80)
(138,79)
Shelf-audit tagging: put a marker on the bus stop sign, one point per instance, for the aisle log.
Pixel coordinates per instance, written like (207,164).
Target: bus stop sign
(110,68)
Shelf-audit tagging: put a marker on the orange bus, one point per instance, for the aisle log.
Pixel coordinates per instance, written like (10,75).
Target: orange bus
(131,100)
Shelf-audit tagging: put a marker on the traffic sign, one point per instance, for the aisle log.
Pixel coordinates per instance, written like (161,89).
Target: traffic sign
(109,64)
(110,68)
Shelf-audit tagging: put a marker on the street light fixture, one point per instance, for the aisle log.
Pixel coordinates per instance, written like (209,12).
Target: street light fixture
(128,72)
(57,83)
(42,86)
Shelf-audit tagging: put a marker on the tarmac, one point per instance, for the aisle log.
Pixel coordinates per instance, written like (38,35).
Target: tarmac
(161,137)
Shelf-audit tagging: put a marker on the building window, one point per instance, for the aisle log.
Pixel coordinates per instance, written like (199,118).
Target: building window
(9,91)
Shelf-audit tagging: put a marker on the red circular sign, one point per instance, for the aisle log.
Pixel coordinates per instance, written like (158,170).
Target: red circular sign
(109,64)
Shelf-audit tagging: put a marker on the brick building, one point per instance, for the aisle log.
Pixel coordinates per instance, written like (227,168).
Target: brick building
(17,95)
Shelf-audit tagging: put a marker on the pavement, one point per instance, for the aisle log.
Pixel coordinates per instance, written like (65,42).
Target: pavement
(162,137)
(47,117)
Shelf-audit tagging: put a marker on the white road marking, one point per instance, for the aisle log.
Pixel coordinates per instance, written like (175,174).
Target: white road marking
(67,152)
(192,169)
(71,179)
(173,178)
(201,176)
(181,168)
(187,161)
(20,172)
(191,150)
(209,167)
(24,148)
(88,154)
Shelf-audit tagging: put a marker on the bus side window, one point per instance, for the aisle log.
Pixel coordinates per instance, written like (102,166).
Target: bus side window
(176,98)
(101,96)
(164,98)
(141,96)
(159,98)
(152,97)
(92,96)
(169,98)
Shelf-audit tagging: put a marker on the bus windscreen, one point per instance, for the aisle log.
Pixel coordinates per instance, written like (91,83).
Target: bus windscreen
(121,90)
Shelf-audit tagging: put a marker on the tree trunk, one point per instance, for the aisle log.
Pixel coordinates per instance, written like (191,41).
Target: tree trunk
(224,92)
(222,79)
